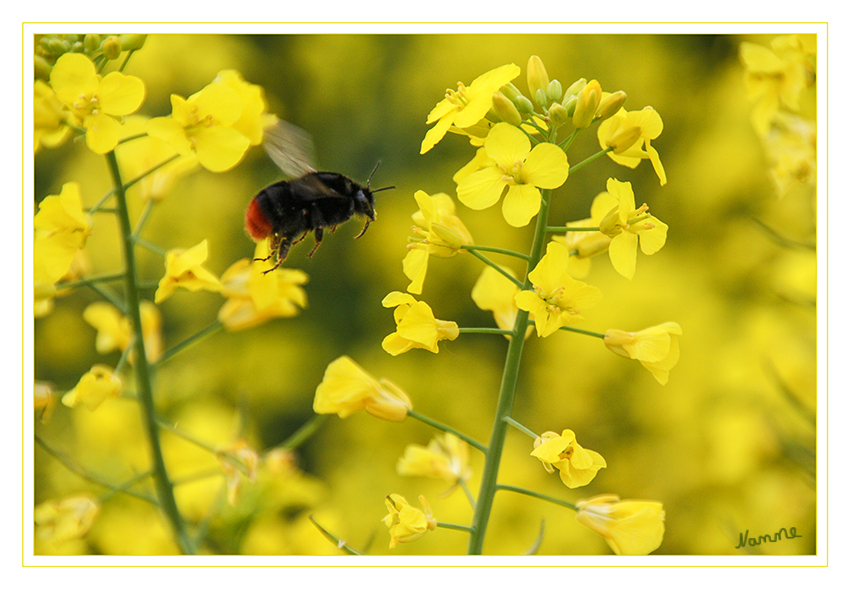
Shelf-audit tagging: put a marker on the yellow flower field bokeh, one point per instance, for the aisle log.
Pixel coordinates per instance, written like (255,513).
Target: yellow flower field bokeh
(727,445)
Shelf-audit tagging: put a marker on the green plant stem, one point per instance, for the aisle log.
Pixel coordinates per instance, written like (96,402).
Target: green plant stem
(496,267)
(453,527)
(495,330)
(144,388)
(445,428)
(520,427)
(592,158)
(522,491)
(495,250)
(209,330)
(507,393)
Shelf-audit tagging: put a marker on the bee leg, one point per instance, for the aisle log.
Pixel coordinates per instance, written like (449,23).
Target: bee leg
(282,252)
(365,227)
(274,246)
(303,235)
(319,233)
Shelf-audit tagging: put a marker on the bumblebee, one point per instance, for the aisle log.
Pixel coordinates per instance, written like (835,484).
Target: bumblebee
(286,211)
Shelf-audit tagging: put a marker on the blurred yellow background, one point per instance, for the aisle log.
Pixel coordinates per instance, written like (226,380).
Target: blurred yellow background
(728,445)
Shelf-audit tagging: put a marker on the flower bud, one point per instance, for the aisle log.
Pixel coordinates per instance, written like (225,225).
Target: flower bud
(511,91)
(524,105)
(554,92)
(41,68)
(558,115)
(575,88)
(541,98)
(111,47)
(623,139)
(538,79)
(91,43)
(588,102)
(569,103)
(132,42)
(610,105)
(506,110)
(58,47)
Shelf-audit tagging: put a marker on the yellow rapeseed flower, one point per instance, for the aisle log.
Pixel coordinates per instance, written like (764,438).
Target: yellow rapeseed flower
(631,527)
(443,232)
(494,292)
(416,326)
(95,387)
(656,348)
(184,269)
(466,106)
(61,229)
(346,388)
(577,466)
(61,520)
(98,102)
(557,297)
(255,296)
(203,125)
(115,333)
(628,226)
(511,163)
(630,133)
(407,523)
(446,457)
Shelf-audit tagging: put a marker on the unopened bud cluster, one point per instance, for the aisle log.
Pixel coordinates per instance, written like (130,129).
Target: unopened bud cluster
(49,48)
(581,104)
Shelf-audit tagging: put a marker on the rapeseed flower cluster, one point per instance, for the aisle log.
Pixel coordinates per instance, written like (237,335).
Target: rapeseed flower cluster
(520,161)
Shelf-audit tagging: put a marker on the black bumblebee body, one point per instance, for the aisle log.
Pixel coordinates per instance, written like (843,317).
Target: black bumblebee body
(286,211)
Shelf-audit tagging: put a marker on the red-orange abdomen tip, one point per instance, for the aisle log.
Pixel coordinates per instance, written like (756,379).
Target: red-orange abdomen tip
(258,226)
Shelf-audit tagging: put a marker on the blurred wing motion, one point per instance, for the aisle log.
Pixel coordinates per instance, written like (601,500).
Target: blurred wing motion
(291,148)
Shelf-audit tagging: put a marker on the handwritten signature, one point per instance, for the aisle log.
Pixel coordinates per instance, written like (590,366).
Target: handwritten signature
(745,540)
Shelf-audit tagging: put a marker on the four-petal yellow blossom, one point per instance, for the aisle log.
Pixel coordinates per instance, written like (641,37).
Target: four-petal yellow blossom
(254,117)
(96,386)
(466,106)
(239,461)
(416,326)
(97,102)
(143,154)
(776,75)
(346,388)
(114,331)
(514,165)
(656,348)
(443,232)
(583,245)
(407,523)
(203,124)
(630,133)
(183,269)
(494,292)
(49,128)
(577,466)
(255,296)
(631,527)
(557,297)
(627,226)
(446,457)
(61,520)
(61,229)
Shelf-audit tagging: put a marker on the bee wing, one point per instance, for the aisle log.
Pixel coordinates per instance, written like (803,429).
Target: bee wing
(291,148)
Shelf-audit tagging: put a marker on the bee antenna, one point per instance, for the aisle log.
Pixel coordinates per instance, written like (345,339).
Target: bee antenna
(384,188)
(369,181)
